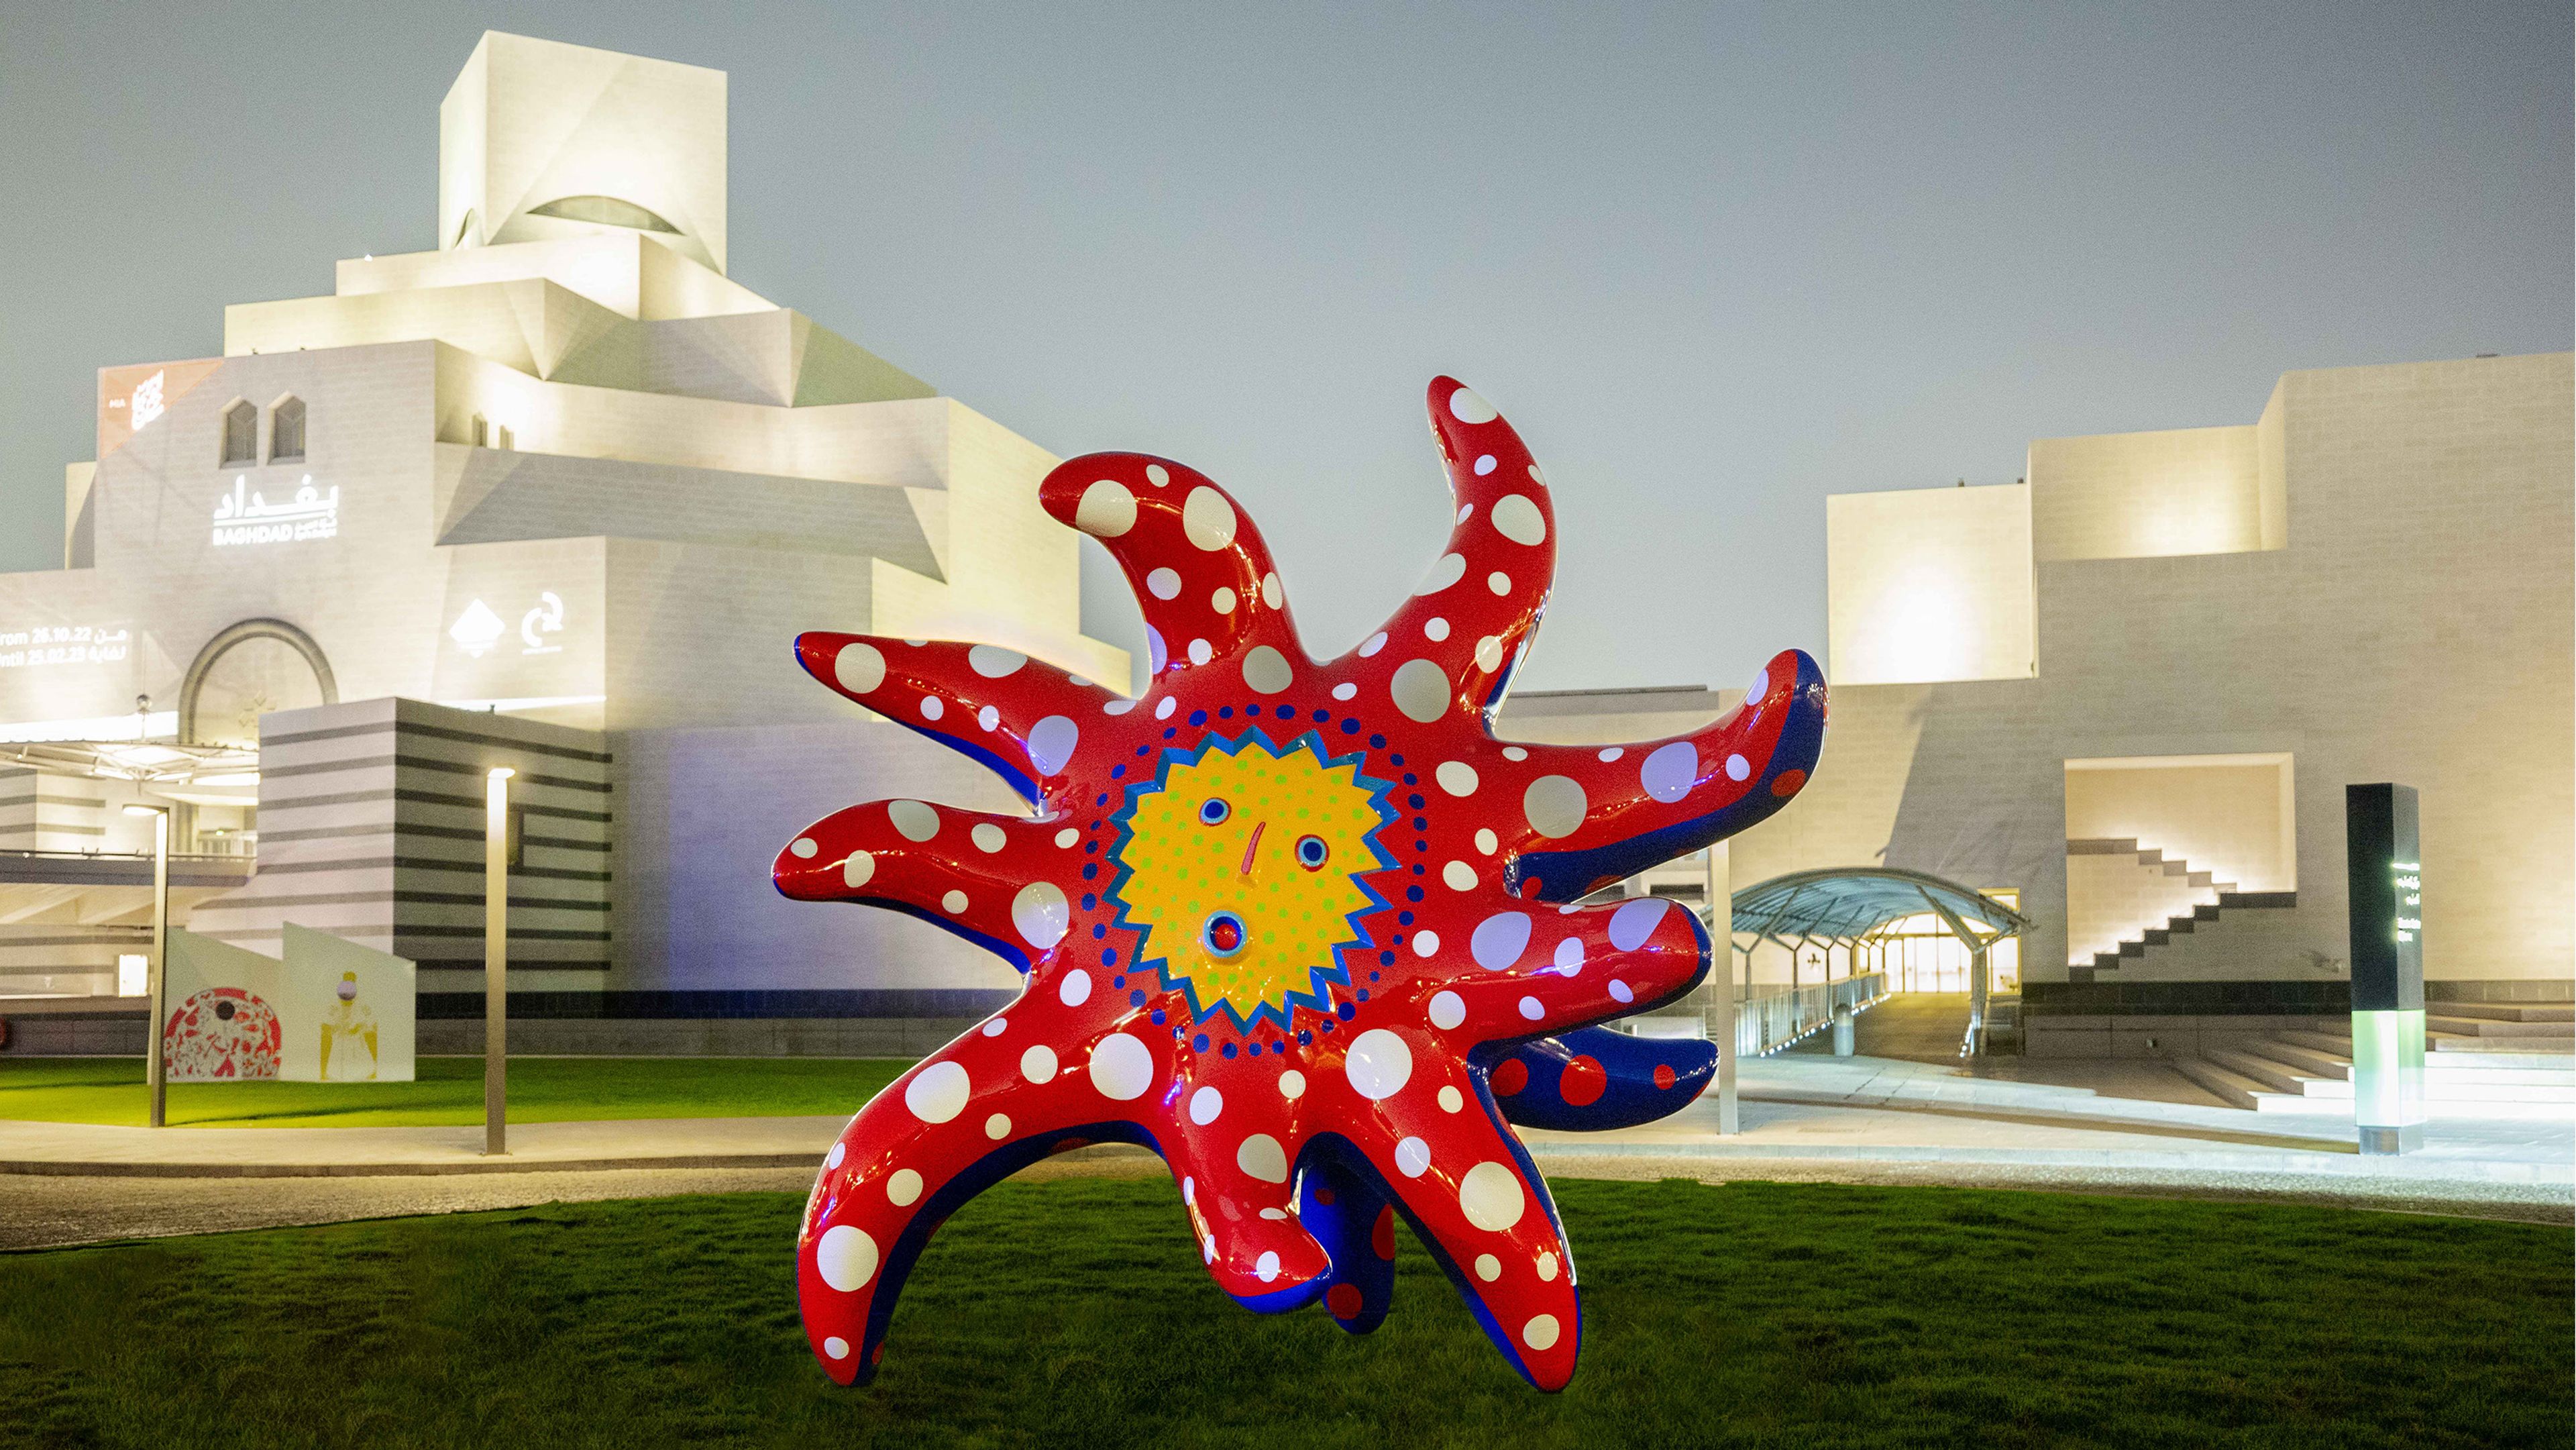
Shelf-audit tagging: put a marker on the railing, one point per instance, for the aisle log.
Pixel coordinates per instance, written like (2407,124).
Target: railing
(1767,1024)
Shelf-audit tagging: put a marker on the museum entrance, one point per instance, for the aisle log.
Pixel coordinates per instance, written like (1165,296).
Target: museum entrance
(249,669)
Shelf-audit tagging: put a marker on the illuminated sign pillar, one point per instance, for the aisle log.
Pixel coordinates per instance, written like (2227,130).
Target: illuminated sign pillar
(2386,865)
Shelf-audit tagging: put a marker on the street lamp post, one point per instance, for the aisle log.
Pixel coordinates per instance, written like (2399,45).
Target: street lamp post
(496,962)
(157,1067)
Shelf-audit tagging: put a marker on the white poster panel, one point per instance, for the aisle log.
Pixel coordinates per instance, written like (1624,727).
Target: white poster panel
(228,1012)
(352,1010)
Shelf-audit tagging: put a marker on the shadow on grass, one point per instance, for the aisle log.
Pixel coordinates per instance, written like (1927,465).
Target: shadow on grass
(1073,1313)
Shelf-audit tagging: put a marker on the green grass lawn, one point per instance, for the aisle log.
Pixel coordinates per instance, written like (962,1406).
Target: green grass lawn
(450,1092)
(1074,1312)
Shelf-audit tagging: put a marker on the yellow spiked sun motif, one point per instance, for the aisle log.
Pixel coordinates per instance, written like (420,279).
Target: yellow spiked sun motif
(1243,870)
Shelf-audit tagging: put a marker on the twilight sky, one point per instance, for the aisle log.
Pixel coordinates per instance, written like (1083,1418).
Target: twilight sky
(1716,262)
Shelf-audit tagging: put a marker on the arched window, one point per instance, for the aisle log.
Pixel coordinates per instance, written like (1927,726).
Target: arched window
(286,431)
(241,433)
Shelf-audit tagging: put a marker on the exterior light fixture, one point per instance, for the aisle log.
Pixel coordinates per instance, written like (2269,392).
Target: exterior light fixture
(496,961)
(156,1065)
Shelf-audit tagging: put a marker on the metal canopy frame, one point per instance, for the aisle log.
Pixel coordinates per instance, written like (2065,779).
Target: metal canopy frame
(1854,905)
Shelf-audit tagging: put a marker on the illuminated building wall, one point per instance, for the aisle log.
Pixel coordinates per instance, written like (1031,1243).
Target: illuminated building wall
(563,468)
(2374,582)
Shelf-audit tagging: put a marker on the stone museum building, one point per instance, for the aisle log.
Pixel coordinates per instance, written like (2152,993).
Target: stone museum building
(559,494)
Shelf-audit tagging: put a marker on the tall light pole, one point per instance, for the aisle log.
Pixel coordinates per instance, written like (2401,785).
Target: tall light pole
(496,961)
(157,1067)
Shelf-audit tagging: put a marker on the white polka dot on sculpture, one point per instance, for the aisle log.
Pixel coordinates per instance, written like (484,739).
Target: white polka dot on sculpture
(1458,876)
(1554,806)
(1040,914)
(1619,992)
(987,718)
(1051,743)
(1426,943)
(997,1127)
(833,1158)
(903,1186)
(1499,582)
(1451,1100)
(1669,771)
(1489,653)
(1208,519)
(1540,1332)
(1531,1009)
(858,667)
(1201,652)
(987,837)
(1266,1268)
(1261,1157)
(1760,687)
(1266,671)
(1038,1064)
(1448,1009)
(835,1347)
(1122,1068)
(1163,583)
(1518,519)
(1491,1197)
(803,848)
(1413,1157)
(1636,920)
(846,1258)
(937,1093)
(1107,510)
(1444,572)
(994,662)
(954,902)
(1738,768)
(1271,593)
(913,820)
(1435,629)
(932,707)
(1292,1084)
(1488,1268)
(1205,1105)
(1157,475)
(1373,644)
(1379,1064)
(1484,464)
(1420,691)
(1065,838)
(997,1026)
(1074,988)
(1222,601)
(1345,690)
(1456,777)
(1487,842)
(1569,956)
(1500,939)
(1466,407)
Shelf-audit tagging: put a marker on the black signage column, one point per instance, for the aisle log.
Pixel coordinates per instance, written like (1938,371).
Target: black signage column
(2385,863)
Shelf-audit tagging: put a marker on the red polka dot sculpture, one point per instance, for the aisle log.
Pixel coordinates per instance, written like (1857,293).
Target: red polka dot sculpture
(1305,929)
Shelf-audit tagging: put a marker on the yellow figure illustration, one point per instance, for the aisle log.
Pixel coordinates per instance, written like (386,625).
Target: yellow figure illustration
(1245,868)
(349,1037)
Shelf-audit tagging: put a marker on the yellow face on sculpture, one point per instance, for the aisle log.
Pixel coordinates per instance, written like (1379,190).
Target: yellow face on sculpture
(1243,869)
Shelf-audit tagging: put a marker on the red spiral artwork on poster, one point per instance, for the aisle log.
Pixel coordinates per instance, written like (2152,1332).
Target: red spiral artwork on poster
(222,1034)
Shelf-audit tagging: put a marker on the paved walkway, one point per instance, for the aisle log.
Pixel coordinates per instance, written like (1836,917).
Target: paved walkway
(1804,1117)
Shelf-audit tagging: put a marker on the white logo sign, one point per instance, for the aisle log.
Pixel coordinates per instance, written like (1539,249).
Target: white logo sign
(537,623)
(477,629)
(242,517)
(147,401)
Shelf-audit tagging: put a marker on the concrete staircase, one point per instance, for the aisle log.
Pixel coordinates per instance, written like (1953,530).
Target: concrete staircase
(2196,901)
(2481,1060)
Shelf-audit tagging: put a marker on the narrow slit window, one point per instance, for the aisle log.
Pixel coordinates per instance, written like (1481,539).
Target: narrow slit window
(286,431)
(241,434)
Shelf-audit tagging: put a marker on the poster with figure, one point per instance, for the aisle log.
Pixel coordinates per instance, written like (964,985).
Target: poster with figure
(360,1002)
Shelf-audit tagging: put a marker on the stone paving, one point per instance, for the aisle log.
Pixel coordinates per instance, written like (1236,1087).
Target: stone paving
(1804,1117)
